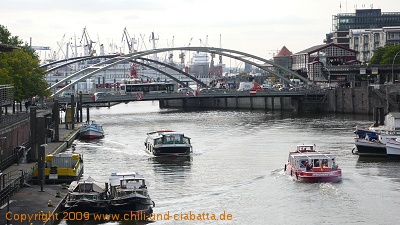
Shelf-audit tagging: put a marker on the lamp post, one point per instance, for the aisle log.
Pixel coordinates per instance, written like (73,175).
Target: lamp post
(393,65)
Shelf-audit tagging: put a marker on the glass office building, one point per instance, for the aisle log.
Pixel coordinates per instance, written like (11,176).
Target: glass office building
(361,19)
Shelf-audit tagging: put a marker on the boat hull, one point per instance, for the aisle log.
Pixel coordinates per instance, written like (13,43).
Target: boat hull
(315,176)
(393,148)
(171,151)
(136,206)
(90,134)
(91,207)
(321,178)
(369,148)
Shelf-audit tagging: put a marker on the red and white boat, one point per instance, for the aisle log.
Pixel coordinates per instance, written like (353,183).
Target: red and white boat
(91,131)
(306,164)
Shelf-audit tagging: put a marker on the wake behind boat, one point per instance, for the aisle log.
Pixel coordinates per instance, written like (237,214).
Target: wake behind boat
(311,166)
(168,143)
(91,131)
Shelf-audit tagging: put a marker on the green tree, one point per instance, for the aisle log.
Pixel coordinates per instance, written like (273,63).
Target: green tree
(7,39)
(20,68)
(386,55)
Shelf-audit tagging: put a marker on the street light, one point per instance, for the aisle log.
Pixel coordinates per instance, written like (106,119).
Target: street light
(393,65)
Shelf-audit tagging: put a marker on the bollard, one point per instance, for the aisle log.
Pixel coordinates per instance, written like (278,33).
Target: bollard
(50,203)
(58,195)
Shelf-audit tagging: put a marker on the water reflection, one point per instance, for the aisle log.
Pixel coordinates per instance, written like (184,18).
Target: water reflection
(171,164)
(380,166)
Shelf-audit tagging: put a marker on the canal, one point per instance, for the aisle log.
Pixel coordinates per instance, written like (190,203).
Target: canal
(237,166)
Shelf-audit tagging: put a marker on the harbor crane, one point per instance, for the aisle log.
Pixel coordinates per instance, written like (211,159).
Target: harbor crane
(130,41)
(183,54)
(87,42)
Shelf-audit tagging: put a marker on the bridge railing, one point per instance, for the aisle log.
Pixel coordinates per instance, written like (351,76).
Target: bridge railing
(87,99)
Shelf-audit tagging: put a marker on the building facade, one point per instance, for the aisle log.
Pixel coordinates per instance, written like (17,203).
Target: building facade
(366,41)
(342,23)
(316,63)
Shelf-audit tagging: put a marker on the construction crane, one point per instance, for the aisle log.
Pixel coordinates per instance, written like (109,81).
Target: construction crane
(153,39)
(183,54)
(87,42)
(171,55)
(130,41)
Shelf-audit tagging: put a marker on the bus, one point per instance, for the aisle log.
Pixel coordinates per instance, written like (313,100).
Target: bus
(147,88)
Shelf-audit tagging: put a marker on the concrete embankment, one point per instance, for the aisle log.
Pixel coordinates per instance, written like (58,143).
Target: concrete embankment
(32,203)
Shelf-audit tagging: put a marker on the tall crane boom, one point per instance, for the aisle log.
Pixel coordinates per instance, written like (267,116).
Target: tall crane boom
(129,41)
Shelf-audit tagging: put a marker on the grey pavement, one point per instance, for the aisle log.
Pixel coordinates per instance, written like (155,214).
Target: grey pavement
(30,200)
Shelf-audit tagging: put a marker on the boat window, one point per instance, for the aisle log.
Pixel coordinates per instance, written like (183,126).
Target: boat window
(123,183)
(316,162)
(186,140)
(85,187)
(173,138)
(158,141)
(303,163)
(325,162)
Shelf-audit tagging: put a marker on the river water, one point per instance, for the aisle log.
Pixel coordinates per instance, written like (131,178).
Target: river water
(236,168)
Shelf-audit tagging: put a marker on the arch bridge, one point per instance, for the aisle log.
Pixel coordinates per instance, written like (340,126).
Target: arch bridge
(112,60)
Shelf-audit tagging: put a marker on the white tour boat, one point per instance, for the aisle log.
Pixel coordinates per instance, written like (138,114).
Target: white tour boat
(168,142)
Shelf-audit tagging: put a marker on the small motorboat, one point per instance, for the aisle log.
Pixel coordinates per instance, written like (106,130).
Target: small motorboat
(306,164)
(91,131)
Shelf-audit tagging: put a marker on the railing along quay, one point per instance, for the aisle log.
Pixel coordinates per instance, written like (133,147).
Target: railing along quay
(12,182)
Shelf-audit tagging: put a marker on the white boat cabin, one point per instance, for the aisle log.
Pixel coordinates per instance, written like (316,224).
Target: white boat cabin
(168,137)
(123,184)
(307,161)
(392,121)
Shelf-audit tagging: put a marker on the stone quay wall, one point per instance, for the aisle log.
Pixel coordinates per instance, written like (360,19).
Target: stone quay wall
(357,100)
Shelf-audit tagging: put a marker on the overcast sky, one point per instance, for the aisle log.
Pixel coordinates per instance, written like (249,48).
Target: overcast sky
(258,27)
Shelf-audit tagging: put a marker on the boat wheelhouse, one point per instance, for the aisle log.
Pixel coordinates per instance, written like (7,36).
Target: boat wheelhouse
(168,143)
(129,194)
(306,164)
(86,196)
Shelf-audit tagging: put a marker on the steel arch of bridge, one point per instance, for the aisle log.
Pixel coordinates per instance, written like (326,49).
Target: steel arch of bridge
(173,68)
(72,61)
(242,56)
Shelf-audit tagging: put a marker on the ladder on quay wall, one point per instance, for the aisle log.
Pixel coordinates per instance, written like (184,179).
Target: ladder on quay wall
(387,98)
